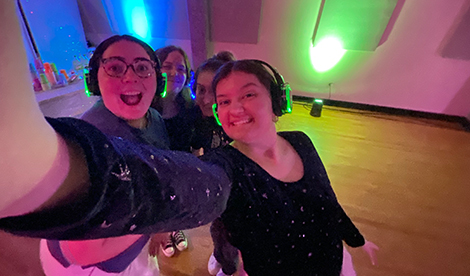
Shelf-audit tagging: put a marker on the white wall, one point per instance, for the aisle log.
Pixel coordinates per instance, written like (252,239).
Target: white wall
(57,29)
(405,72)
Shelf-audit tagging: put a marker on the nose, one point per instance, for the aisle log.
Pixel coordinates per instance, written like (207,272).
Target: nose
(236,107)
(172,71)
(208,98)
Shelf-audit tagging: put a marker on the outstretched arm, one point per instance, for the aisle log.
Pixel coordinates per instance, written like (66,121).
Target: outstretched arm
(34,161)
(82,184)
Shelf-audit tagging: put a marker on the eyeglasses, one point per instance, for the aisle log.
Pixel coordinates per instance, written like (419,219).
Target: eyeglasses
(117,68)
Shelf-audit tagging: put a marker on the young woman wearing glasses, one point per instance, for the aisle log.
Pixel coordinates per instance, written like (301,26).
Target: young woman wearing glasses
(65,179)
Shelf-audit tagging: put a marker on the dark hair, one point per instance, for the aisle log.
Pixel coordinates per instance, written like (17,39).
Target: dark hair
(213,64)
(95,61)
(162,54)
(255,68)
(246,66)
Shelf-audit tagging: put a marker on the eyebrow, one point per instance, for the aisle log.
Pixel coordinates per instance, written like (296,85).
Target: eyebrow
(124,59)
(243,87)
(175,64)
(249,84)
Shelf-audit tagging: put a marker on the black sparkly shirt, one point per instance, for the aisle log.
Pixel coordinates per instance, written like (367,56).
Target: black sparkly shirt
(134,189)
(208,134)
(285,228)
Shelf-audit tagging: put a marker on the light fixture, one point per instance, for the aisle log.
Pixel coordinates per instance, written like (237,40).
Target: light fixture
(317,106)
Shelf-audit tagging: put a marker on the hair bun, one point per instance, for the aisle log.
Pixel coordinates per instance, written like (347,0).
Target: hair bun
(224,56)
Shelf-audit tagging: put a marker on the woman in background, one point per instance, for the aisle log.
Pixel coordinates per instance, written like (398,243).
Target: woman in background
(208,134)
(176,104)
(178,111)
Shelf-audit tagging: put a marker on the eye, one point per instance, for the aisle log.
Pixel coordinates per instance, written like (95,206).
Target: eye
(167,67)
(223,103)
(115,68)
(142,67)
(200,90)
(249,95)
(181,69)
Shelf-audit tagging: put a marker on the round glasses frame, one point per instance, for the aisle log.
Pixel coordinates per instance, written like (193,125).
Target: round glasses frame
(151,73)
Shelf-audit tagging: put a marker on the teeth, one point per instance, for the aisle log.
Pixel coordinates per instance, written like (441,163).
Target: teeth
(131,93)
(241,122)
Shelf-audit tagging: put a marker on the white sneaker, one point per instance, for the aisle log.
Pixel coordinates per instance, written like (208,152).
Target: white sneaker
(213,266)
(168,248)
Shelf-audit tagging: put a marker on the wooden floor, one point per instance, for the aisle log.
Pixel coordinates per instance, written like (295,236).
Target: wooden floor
(405,182)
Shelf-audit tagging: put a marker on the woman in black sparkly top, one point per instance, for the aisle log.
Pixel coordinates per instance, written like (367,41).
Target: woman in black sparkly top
(282,213)
(208,134)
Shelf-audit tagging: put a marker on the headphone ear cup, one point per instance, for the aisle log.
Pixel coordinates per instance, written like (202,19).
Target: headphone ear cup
(281,95)
(91,86)
(216,115)
(161,84)
(286,98)
(276,99)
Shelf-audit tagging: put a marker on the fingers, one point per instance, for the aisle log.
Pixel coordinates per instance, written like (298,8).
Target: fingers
(370,248)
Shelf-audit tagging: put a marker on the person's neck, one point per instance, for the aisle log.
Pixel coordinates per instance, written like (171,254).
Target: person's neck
(265,149)
(169,106)
(140,123)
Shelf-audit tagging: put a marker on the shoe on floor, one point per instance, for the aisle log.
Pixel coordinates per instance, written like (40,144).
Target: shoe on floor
(179,240)
(213,266)
(168,248)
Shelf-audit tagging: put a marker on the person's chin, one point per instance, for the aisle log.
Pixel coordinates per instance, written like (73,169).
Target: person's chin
(134,115)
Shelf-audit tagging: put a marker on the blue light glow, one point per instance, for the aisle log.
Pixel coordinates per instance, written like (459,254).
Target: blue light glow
(192,86)
(136,18)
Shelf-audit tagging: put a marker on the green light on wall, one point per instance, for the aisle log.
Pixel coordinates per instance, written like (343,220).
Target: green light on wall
(326,54)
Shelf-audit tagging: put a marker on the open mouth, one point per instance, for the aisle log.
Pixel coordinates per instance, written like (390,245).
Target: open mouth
(131,98)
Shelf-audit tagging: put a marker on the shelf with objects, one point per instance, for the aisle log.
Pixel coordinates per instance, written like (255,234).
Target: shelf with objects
(58,56)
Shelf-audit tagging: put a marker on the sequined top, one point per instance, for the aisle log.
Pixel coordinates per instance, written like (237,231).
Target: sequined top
(208,135)
(285,228)
(135,189)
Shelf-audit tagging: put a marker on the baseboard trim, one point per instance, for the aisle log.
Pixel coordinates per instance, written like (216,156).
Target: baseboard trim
(391,110)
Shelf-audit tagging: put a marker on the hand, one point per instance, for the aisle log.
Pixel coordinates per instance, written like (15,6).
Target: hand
(242,272)
(370,248)
(154,244)
(241,269)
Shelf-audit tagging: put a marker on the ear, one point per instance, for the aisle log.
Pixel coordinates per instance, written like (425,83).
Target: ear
(275,118)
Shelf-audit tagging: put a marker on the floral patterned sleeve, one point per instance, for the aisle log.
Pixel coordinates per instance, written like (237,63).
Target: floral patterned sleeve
(134,189)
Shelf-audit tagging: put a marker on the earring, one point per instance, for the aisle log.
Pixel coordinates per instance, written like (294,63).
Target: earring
(275,118)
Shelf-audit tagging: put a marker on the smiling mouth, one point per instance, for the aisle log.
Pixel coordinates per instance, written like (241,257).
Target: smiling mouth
(131,98)
(242,122)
